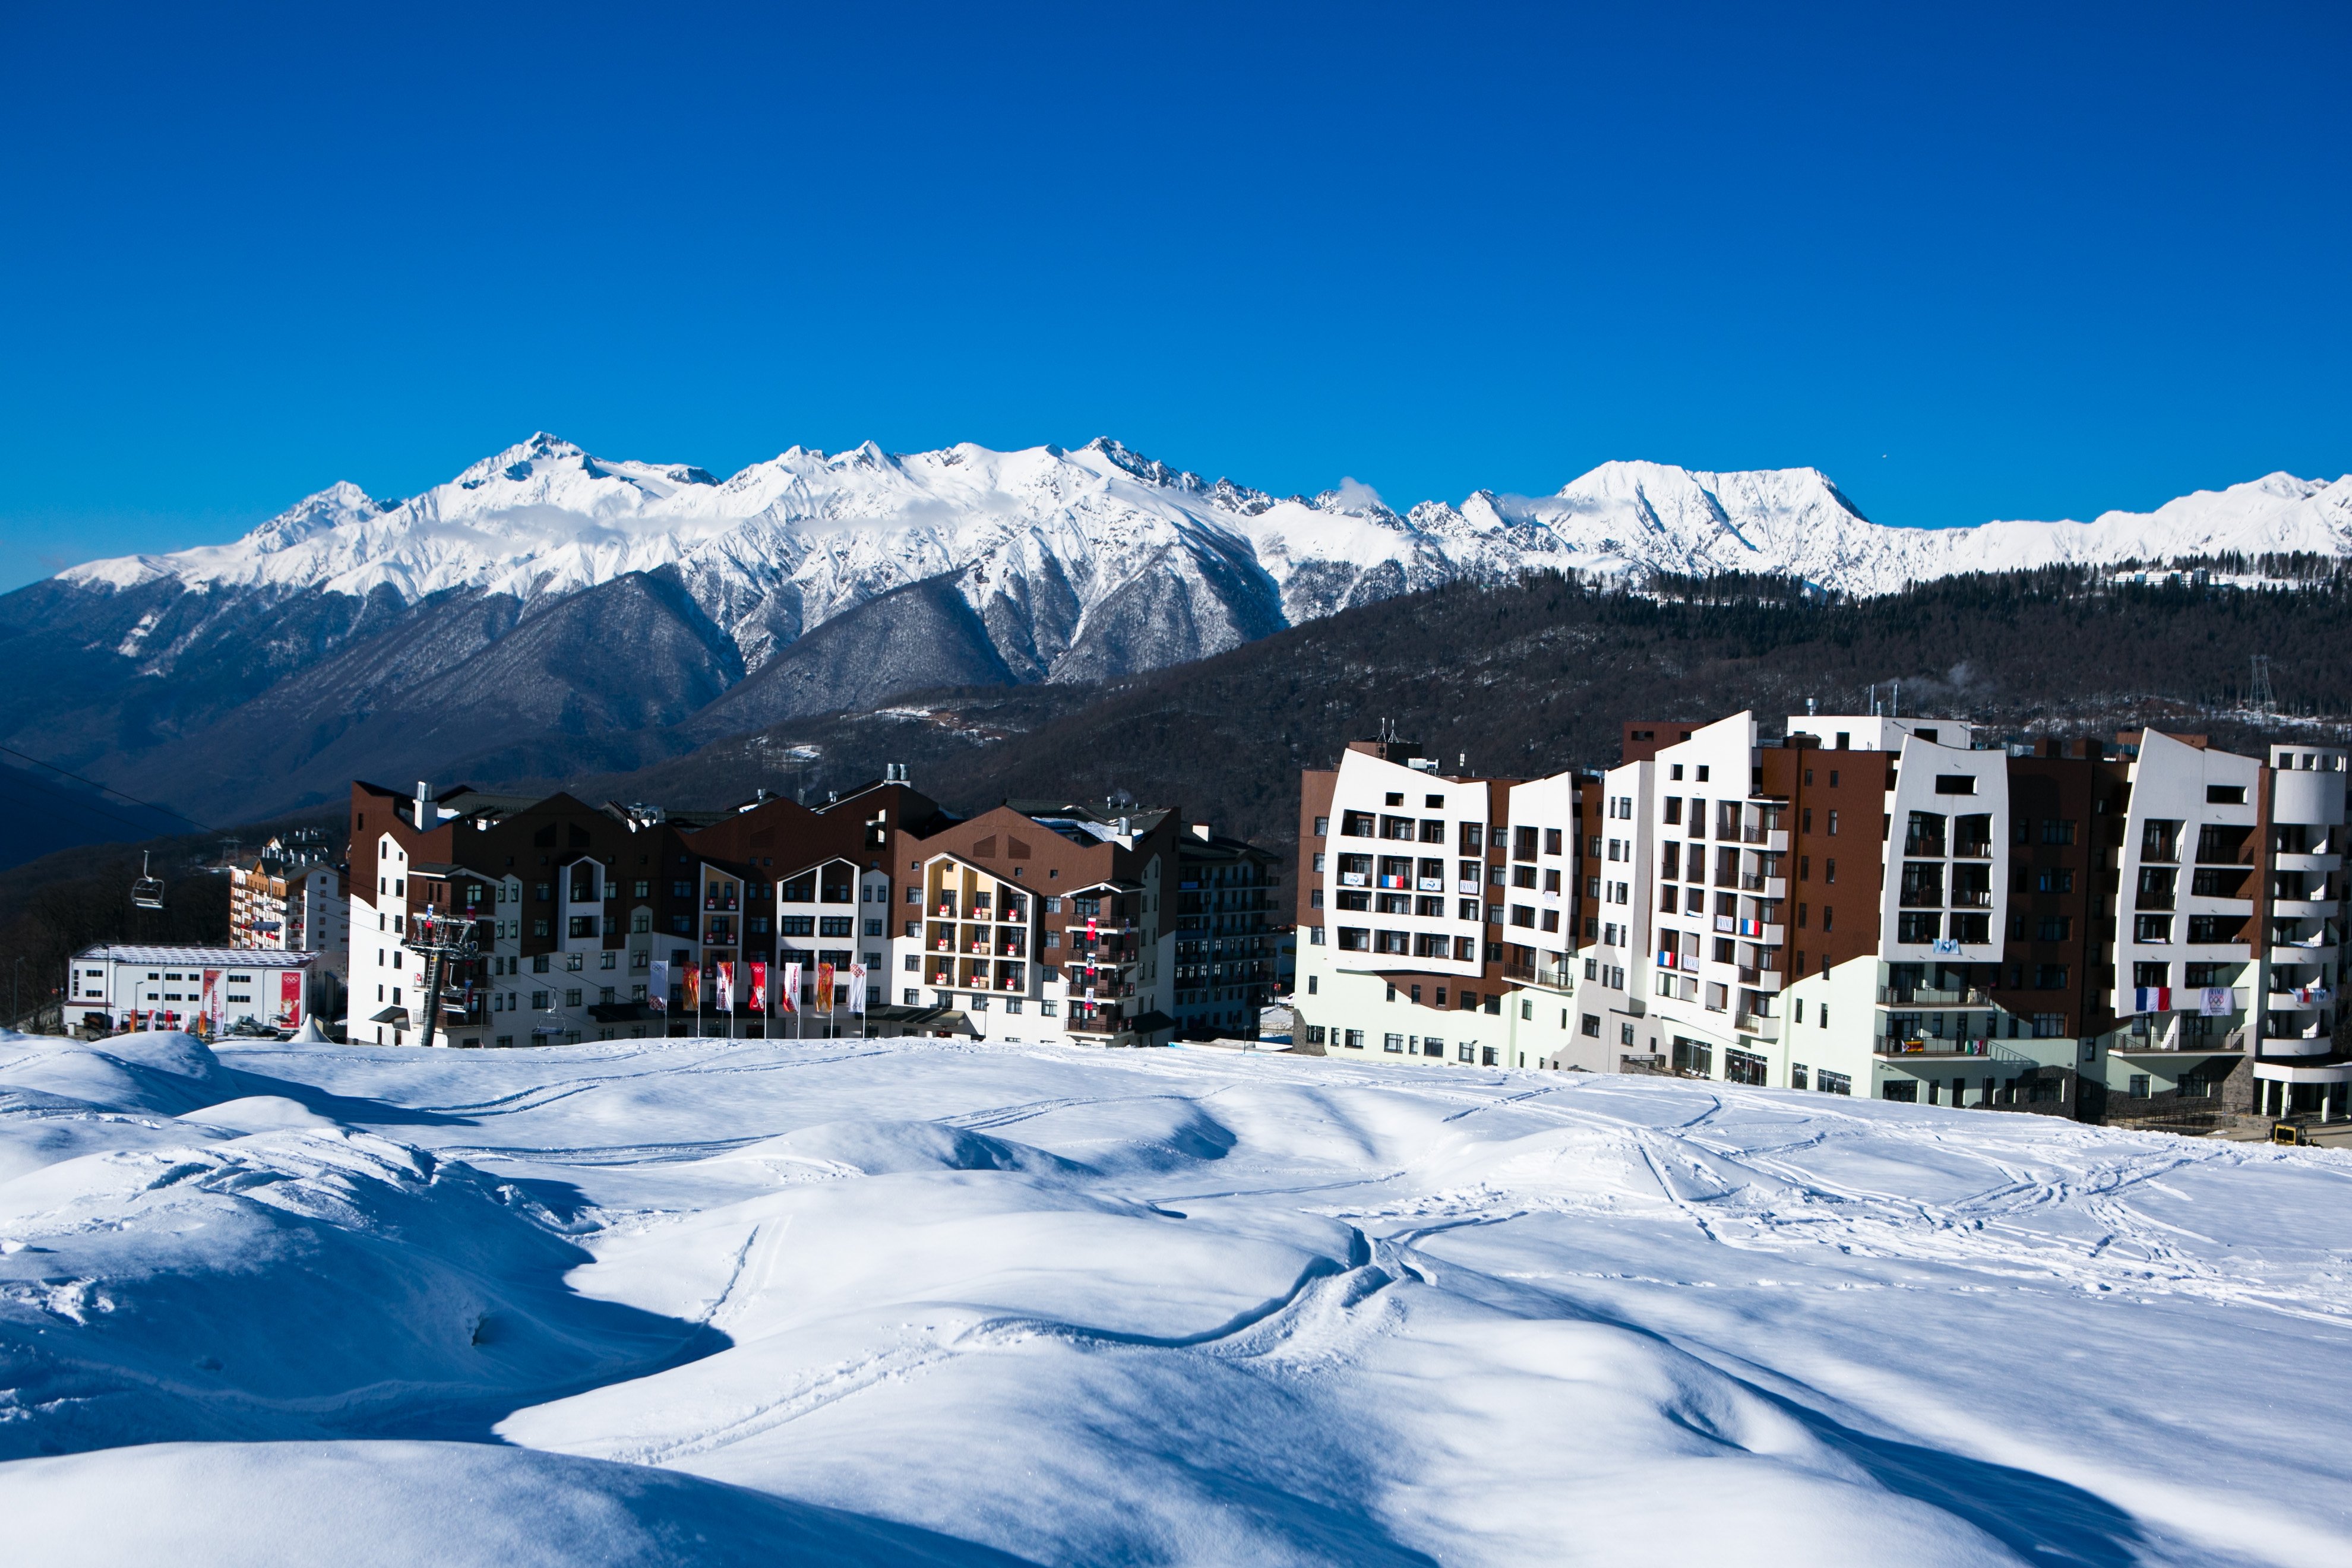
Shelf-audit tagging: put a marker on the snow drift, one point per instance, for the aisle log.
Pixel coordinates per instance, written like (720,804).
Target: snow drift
(927,1301)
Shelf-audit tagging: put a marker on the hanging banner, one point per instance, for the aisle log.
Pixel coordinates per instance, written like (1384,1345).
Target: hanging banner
(788,995)
(758,1001)
(289,998)
(725,1000)
(2152,999)
(824,988)
(657,986)
(2215,1002)
(857,988)
(214,1013)
(693,989)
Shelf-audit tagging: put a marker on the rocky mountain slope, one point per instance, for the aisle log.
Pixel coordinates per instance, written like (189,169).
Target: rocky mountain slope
(549,602)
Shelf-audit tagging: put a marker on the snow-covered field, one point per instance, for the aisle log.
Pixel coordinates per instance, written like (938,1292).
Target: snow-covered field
(671,1302)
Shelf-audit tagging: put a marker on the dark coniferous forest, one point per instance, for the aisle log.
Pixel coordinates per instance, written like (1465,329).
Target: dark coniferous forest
(1514,681)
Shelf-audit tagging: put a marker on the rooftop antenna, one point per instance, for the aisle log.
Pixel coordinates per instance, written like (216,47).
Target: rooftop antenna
(2259,695)
(1874,700)
(1895,703)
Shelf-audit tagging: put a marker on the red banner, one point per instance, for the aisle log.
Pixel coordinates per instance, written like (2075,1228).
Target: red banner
(693,989)
(289,998)
(759,999)
(824,988)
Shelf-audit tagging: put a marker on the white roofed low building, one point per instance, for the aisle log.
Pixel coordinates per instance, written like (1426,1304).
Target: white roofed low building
(225,989)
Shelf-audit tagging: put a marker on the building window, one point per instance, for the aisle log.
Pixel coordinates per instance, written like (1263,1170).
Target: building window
(1390,1042)
(1590,1025)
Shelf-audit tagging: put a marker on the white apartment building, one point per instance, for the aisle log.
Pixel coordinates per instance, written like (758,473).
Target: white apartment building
(1440,914)
(1868,905)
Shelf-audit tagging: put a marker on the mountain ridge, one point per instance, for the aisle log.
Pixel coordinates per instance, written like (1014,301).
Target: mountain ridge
(352,633)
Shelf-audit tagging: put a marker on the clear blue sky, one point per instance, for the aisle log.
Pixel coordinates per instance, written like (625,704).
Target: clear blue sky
(1972,262)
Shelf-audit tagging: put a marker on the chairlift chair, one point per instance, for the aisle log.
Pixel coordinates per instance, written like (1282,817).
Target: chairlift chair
(147,891)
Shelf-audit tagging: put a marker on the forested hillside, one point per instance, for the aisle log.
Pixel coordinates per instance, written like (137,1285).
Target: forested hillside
(1536,676)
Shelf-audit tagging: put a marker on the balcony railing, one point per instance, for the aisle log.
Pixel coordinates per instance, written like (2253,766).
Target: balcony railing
(1555,976)
(1934,997)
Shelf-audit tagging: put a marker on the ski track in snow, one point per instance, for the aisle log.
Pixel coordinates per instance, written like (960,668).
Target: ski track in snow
(1178,1306)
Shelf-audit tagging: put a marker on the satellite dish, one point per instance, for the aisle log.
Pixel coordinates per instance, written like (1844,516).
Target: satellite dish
(147,891)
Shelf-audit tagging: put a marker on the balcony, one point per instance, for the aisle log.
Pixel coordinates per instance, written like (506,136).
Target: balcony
(1555,977)
(2313,865)
(1935,1048)
(1765,980)
(1971,898)
(1771,840)
(2286,1002)
(1972,850)
(1758,1024)
(1765,887)
(2302,909)
(2179,1042)
(1933,996)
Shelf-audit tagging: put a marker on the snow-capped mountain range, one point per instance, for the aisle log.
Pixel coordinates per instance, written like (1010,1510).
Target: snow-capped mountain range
(1045,545)
(548,612)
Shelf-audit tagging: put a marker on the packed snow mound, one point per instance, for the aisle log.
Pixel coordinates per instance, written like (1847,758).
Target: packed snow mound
(1062,543)
(880,1148)
(400,1504)
(252,1270)
(165,1073)
(928,1301)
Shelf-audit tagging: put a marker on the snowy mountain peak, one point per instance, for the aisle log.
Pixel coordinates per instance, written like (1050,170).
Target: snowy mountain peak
(1101,557)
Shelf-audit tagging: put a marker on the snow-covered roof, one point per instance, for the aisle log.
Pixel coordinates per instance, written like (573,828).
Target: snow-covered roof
(215,957)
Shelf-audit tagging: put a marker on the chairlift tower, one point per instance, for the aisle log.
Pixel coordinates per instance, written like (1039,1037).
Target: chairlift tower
(2259,695)
(440,939)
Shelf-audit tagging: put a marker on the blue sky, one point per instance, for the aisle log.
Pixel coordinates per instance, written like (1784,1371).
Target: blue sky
(1972,262)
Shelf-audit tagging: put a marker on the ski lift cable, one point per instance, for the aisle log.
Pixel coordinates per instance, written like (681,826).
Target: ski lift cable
(108,789)
(69,804)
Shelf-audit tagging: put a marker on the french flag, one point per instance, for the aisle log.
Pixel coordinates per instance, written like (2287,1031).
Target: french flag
(2152,999)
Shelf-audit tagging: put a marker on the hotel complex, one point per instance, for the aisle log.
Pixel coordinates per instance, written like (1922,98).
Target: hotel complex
(1899,907)
(876,913)
(1903,908)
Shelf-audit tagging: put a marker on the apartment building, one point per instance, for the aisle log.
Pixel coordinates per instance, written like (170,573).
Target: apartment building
(1893,907)
(1041,923)
(1438,914)
(575,905)
(1228,931)
(289,897)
